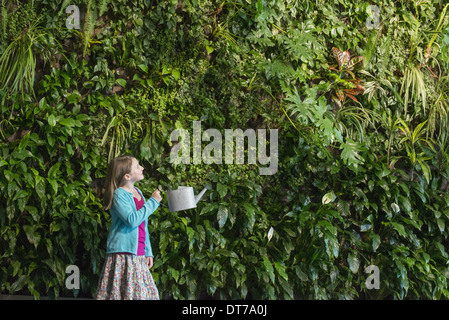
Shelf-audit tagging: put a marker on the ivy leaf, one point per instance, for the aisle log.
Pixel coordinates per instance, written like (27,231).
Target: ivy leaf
(209,49)
(121,82)
(143,67)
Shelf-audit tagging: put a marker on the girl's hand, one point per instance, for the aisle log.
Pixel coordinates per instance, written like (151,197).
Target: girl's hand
(150,262)
(157,195)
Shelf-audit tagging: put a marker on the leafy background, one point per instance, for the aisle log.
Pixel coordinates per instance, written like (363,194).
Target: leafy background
(360,182)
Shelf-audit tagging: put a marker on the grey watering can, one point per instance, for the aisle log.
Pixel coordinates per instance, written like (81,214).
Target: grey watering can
(183,198)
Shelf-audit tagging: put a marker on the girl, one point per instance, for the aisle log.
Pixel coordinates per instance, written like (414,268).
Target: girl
(126,272)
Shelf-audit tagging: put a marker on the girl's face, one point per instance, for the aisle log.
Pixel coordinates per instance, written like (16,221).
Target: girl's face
(136,173)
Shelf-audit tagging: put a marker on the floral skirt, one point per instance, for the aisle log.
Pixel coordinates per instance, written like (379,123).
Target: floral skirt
(126,277)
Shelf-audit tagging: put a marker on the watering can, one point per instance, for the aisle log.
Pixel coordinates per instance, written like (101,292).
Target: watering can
(183,198)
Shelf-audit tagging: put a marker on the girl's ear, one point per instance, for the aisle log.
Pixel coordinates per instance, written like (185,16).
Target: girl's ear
(126,177)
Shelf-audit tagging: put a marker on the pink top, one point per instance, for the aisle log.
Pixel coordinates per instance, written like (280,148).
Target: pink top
(142,235)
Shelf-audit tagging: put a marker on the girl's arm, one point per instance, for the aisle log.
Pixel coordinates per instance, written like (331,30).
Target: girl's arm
(126,210)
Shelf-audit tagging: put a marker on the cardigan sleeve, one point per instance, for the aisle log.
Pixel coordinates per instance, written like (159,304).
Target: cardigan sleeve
(127,212)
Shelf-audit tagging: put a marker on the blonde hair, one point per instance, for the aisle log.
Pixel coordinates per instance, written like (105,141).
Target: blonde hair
(118,168)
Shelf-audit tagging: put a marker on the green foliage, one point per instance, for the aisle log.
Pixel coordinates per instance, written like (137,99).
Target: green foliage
(359,183)
(24,34)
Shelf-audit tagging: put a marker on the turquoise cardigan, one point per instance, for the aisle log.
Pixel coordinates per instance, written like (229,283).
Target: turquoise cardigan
(124,231)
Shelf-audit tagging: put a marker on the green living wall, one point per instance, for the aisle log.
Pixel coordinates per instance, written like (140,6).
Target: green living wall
(358,91)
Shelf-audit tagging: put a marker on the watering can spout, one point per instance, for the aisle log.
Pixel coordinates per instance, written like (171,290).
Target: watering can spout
(199,196)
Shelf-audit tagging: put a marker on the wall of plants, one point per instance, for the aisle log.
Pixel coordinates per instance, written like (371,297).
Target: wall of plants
(358,91)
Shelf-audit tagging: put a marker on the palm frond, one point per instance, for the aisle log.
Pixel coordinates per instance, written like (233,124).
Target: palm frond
(413,87)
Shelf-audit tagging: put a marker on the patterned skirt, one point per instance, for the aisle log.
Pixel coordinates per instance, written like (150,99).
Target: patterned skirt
(126,277)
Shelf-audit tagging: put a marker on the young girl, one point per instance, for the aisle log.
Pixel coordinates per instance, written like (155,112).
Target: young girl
(126,272)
